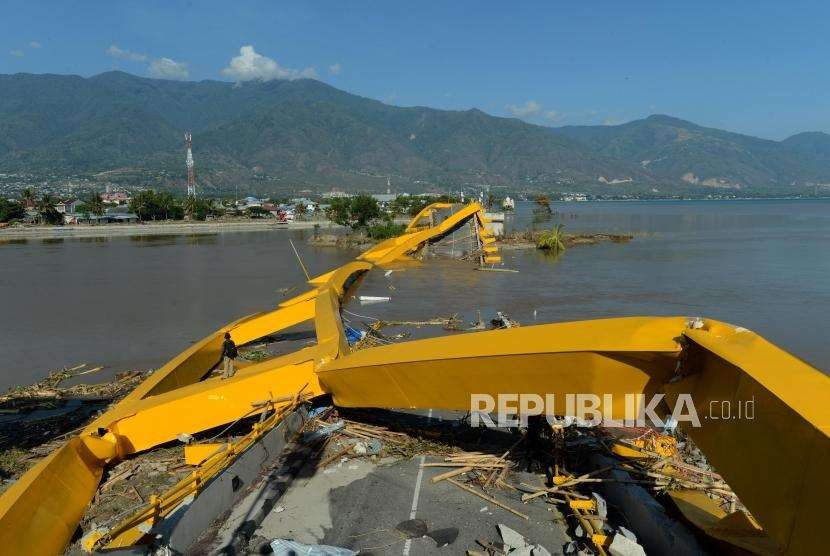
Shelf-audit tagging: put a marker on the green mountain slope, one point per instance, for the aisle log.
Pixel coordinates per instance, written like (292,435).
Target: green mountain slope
(299,132)
(676,149)
(304,132)
(813,143)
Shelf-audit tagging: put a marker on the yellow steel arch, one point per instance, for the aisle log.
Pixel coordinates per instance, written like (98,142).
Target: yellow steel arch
(785,448)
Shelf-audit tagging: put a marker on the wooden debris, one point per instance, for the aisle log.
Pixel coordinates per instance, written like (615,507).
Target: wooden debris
(573,482)
(450,474)
(490,499)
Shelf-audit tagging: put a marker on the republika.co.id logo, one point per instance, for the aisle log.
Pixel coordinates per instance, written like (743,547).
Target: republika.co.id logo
(513,410)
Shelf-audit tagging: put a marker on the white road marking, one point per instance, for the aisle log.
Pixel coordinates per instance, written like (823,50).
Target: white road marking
(414,509)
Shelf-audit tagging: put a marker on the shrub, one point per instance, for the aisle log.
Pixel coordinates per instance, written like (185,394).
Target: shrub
(551,240)
(11,210)
(385,230)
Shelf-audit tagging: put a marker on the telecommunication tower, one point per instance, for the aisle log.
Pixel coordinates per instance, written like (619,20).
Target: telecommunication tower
(191,174)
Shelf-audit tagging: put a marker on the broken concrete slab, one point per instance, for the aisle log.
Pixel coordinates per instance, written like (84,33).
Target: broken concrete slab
(623,546)
(511,538)
(539,550)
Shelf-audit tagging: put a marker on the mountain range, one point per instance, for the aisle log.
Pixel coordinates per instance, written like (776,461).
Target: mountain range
(284,134)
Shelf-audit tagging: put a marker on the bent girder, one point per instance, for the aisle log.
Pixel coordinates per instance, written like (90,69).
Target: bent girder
(638,355)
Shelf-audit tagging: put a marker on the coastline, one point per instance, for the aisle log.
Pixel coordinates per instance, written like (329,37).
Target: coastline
(156,228)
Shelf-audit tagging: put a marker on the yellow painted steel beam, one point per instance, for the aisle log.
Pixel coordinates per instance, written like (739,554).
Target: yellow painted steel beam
(609,356)
(424,213)
(776,462)
(214,402)
(397,247)
(172,400)
(40,512)
(775,453)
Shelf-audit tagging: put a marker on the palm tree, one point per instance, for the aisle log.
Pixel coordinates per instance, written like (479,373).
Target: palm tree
(94,204)
(28,196)
(45,202)
(491,199)
(190,206)
(46,210)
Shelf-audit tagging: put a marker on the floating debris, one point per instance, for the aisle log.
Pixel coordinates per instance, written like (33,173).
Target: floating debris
(372,299)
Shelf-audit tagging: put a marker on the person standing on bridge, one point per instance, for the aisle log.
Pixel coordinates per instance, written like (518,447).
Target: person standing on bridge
(229,354)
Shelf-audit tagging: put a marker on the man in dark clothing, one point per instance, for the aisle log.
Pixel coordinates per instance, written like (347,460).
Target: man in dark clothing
(229,353)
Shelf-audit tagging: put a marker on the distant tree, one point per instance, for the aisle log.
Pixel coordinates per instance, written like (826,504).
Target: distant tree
(543,204)
(93,204)
(490,200)
(190,204)
(207,207)
(355,212)
(257,212)
(143,204)
(11,210)
(364,208)
(168,206)
(47,213)
(385,230)
(400,205)
(302,210)
(28,195)
(339,211)
(149,205)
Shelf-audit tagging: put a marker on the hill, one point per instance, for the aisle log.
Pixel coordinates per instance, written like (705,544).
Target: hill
(814,143)
(284,135)
(279,132)
(676,149)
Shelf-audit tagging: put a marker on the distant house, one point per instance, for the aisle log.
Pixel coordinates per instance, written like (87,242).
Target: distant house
(384,198)
(115,197)
(335,194)
(68,207)
(248,202)
(110,218)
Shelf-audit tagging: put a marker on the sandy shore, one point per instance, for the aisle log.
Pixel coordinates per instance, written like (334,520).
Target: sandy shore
(156,228)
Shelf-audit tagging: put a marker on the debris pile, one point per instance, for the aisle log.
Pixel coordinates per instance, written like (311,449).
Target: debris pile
(671,465)
(344,439)
(373,336)
(38,395)
(128,485)
(36,419)
(512,543)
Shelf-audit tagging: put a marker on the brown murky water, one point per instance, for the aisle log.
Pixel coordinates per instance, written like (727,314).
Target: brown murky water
(136,302)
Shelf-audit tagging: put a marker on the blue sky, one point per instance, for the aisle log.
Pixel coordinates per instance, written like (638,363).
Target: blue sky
(756,67)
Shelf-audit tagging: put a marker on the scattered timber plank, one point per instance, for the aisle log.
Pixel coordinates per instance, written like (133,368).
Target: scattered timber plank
(488,498)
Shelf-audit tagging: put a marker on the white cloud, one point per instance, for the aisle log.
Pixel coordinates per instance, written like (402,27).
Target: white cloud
(17,53)
(35,44)
(530,109)
(166,68)
(335,69)
(123,54)
(553,116)
(250,66)
(609,121)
